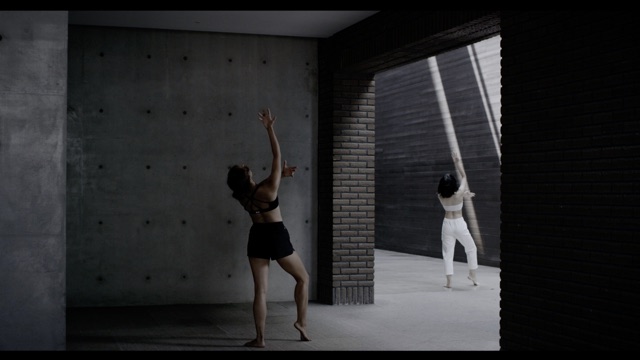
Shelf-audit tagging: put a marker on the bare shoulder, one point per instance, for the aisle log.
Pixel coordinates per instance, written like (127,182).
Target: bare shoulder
(268,189)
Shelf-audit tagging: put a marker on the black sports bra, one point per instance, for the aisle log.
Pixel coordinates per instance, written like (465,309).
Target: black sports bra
(253,202)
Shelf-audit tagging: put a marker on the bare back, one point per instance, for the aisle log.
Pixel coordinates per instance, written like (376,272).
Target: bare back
(454,199)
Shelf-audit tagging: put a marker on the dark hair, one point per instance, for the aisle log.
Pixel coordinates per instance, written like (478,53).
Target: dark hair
(448,185)
(238,180)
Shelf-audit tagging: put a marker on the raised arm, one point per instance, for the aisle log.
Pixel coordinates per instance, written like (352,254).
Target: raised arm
(463,190)
(268,120)
(458,163)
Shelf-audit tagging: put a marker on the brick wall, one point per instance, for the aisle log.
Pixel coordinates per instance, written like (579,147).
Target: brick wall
(349,185)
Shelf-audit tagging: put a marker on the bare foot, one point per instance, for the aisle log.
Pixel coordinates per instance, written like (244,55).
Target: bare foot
(472,277)
(303,332)
(448,284)
(255,343)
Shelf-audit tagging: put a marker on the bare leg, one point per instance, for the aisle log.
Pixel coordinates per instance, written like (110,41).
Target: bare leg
(260,271)
(293,265)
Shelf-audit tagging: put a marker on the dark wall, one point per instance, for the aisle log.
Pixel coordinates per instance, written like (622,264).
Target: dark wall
(424,111)
(571,139)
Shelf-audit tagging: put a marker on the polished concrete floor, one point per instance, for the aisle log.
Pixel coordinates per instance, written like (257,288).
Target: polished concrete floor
(413,311)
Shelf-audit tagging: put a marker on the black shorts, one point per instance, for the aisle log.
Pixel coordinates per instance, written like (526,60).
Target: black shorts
(269,241)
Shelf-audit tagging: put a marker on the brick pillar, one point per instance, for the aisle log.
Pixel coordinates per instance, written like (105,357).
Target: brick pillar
(347,191)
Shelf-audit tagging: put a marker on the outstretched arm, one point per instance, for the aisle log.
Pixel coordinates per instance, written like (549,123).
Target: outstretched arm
(277,172)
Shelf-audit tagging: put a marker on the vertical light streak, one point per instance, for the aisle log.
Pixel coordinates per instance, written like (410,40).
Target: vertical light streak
(494,123)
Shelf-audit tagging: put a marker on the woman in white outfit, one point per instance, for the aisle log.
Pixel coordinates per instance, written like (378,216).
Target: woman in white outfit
(452,194)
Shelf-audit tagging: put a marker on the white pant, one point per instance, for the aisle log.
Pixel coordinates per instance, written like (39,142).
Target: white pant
(453,229)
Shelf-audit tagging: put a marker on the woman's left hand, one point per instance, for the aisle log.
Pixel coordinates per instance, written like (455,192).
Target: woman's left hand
(266,118)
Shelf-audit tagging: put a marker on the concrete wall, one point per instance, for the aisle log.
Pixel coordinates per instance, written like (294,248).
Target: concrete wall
(424,111)
(33,98)
(156,118)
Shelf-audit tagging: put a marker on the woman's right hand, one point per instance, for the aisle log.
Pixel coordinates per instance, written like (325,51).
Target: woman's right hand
(288,171)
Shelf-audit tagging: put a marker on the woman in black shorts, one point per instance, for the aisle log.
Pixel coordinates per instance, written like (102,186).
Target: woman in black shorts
(269,238)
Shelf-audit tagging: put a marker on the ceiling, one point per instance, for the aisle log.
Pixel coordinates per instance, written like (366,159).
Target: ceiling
(296,23)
